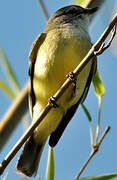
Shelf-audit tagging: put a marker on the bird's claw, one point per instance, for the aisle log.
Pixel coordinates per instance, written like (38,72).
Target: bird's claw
(52,102)
(73,79)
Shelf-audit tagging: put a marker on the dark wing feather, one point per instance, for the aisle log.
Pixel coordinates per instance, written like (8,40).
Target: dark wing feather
(92,72)
(32,58)
(55,136)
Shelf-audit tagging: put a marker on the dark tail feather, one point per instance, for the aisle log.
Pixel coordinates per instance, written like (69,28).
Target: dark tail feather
(30,157)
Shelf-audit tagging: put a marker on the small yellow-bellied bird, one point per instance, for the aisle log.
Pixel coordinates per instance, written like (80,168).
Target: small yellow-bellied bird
(56,52)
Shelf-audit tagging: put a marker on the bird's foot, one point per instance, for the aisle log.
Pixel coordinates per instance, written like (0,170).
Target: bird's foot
(52,102)
(73,79)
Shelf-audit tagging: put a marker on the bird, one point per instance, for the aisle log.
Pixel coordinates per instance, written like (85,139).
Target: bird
(54,54)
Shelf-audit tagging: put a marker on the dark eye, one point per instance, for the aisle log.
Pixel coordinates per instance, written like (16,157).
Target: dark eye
(80,16)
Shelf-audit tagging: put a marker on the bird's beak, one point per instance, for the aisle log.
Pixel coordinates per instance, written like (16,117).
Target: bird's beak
(91,10)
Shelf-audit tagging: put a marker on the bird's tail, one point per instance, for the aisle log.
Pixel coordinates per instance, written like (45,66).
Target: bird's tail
(30,157)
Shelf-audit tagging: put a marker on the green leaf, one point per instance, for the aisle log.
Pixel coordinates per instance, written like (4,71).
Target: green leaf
(7,90)
(86,112)
(9,73)
(89,119)
(98,85)
(50,165)
(100,177)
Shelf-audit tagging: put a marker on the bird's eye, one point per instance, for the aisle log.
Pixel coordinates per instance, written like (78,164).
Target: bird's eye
(80,16)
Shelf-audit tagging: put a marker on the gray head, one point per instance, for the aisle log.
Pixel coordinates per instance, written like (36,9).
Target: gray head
(72,14)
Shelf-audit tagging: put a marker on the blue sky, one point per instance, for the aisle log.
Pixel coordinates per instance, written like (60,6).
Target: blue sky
(20,23)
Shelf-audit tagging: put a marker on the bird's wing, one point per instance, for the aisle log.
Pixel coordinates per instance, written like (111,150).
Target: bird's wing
(92,72)
(32,58)
(55,136)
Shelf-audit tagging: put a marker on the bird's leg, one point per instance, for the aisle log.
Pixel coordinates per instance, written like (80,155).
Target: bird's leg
(52,102)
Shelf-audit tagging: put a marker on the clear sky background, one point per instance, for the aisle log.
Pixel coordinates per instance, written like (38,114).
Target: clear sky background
(20,23)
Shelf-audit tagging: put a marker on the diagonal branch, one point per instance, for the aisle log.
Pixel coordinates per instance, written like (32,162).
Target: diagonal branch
(58,94)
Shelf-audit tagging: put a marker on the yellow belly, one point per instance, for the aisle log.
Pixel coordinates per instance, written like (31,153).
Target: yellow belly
(58,55)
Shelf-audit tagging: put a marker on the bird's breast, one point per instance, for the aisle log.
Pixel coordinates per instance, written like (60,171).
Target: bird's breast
(59,54)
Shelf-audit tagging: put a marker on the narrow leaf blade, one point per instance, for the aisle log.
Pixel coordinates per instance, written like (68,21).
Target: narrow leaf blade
(50,165)
(98,85)
(9,72)
(100,177)
(86,112)
(6,90)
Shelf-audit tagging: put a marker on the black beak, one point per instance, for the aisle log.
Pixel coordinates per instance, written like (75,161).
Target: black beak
(90,10)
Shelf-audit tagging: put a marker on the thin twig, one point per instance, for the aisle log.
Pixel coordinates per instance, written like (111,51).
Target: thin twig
(85,164)
(94,150)
(57,95)
(106,32)
(103,135)
(104,46)
(113,32)
(98,124)
(91,133)
(44,9)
